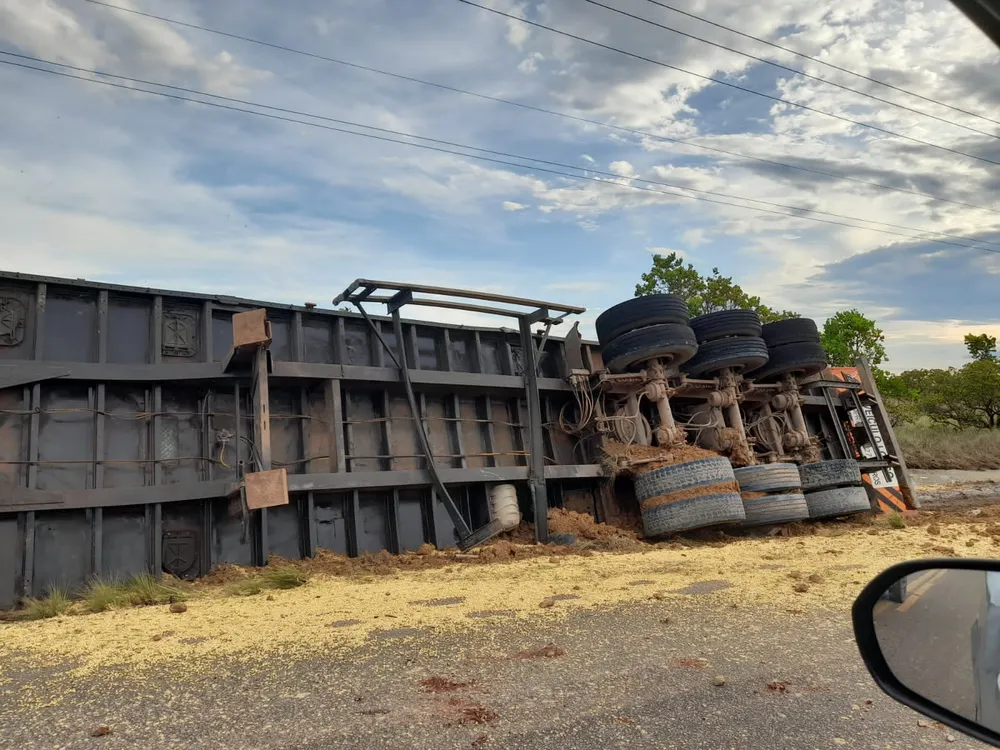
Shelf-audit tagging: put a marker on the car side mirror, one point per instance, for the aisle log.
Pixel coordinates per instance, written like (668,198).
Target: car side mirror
(929,633)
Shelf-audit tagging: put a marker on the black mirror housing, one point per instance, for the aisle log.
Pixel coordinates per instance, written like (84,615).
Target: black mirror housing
(890,590)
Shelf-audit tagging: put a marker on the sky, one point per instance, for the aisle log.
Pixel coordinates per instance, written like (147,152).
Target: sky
(114,185)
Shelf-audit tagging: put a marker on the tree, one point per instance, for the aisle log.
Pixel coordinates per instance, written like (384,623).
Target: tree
(960,397)
(981,347)
(704,294)
(849,335)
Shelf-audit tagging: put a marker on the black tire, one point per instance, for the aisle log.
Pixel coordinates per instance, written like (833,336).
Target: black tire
(841,501)
(668,341)
(838,472)
(640,312)
(804,359)
(688,495)
(791,506)
(791,331)
(724,323)
(769,478)
(739,353)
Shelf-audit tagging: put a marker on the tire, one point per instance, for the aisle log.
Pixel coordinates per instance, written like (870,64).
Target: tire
(725,323)
(807,358)
(689,495)
(791,331)
(640,312)
(791,506)
(667,340)
(841,501)
(747,353)
(769,478)
(685,515)
(840,472)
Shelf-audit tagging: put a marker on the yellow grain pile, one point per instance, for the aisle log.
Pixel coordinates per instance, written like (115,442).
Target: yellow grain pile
(336,612)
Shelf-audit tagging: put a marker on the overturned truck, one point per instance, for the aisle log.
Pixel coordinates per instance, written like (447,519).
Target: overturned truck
(147,430)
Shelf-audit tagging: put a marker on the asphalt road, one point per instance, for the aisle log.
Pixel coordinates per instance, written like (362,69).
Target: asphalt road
(621,678)
(927,638)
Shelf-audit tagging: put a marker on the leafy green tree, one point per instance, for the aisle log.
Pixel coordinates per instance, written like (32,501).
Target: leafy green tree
(959,397)
(982,346)
(704,294)
(849,335)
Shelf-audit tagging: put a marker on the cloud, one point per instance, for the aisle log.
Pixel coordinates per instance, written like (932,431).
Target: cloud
(621,168)
(529,65)
(130,188)
(664,251)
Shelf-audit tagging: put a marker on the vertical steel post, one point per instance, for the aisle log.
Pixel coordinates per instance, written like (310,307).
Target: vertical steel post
(334,410)
(536,447)
(154,515)
(28,556)
(97,516)
(261,440)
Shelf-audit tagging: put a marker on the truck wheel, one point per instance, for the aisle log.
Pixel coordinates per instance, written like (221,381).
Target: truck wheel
(725,323)
(640,312)
(781,508)
(689,495)
(669,341)
(837,502)
(769,478)
(747,353)
(838,472)
(805,358)
(790,331)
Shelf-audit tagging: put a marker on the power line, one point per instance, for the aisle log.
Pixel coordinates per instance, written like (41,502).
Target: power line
(790,69)
(816,60)
(528,167)
(442,142)
(533,108)
(722,82)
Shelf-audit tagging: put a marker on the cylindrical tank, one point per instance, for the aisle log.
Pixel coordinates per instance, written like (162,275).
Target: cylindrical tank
(503,506)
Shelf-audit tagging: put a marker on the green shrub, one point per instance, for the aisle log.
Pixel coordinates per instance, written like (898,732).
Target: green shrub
(56,603)
(142,589)
(272,577)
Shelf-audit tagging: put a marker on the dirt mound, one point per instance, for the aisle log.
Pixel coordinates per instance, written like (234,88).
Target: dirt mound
(631,460)
(583,526)
(504,551)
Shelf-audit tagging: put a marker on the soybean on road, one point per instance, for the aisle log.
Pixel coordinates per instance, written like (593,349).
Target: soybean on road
(633,676)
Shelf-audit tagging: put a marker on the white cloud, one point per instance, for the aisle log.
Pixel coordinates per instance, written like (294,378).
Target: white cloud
(621,168)
(695,237)
(666,251)
(529,65)
(109,184)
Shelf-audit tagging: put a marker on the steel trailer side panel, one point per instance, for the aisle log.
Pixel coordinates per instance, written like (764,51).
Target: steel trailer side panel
(120,392)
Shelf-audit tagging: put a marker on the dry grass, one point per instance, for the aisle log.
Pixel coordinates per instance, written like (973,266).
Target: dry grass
(274,578)
(944,448)
(141,590)
(56,603)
